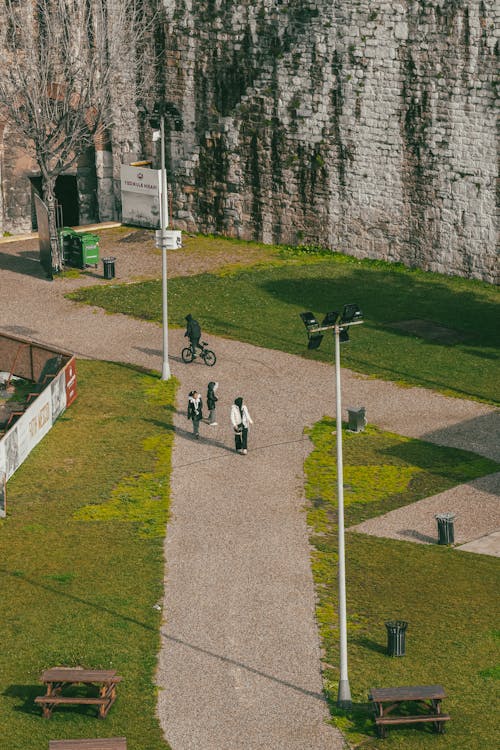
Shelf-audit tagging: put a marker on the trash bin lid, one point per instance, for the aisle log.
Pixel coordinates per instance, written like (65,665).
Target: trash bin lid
(445,516)
(357,410)
(399,624)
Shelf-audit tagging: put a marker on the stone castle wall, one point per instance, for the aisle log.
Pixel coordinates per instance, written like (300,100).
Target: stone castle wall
(365,126)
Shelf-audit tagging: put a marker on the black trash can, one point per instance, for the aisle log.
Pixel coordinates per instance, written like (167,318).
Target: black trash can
(396,637)
(446,531)
(109,267)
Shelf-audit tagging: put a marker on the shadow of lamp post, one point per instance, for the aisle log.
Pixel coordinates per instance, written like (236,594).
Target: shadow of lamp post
(339,323)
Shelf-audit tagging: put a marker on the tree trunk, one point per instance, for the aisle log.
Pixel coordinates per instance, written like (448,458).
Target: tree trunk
(50,199)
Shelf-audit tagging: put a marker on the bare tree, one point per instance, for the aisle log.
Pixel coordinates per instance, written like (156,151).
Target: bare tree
(60,63)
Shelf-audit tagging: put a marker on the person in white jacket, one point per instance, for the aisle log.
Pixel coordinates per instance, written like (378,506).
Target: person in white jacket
(241,420)
(195,412)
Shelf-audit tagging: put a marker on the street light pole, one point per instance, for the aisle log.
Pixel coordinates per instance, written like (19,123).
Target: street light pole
(344,691)
(165,372)
(339,323)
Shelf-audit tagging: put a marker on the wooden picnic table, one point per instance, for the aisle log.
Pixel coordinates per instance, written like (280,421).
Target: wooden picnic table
(426,697)
(60,678)
(109,743)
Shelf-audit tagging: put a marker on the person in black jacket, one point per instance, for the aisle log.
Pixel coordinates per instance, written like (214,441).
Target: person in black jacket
(193,332)
(195,412)
(212,402)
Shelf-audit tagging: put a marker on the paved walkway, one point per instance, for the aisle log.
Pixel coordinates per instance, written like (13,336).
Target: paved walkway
(240,659)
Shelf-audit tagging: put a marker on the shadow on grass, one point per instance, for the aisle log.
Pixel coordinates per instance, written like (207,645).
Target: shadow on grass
(371,645)
(32,691)
(481,435)
(412,534)
(386,296)
(26,694)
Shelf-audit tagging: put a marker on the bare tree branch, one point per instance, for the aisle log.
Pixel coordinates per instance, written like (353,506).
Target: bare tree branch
(61,64)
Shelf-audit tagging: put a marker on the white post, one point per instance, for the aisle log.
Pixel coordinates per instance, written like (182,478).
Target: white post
(344,692)
(165,372)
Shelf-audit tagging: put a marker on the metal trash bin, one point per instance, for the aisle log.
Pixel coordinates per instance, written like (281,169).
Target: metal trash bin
(357,418)
(75,256)
(446,531)
(396,637)
(109,267)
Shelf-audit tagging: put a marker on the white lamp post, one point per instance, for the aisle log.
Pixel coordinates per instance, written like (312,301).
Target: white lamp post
(165,371)
(338,323)
(344,691)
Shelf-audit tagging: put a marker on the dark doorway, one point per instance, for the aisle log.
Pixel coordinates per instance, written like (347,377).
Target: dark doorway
(66,192)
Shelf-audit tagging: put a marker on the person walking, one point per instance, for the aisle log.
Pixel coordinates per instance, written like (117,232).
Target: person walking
(212,402)
(193,332)
(195,412)
(241,420)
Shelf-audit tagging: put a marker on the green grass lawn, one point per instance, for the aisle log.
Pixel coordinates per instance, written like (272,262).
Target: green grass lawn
(448,597)
(421,328)
(82,559)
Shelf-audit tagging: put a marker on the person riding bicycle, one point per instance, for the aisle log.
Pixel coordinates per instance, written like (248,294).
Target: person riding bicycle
(193,332)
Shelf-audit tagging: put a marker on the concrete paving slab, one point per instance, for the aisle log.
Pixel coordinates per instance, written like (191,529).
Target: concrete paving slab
(476,505)
(485,545)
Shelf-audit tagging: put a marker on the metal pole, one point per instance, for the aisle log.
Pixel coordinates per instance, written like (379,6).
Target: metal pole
(165,372)
(344,693)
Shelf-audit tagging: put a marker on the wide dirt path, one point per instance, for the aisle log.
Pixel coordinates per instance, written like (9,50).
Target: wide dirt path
(240,659)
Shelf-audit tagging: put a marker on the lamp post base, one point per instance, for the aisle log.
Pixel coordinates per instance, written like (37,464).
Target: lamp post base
(165,371)
(344,695)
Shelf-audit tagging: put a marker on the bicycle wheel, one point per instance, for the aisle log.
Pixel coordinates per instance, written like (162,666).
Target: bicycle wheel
(209,357)
(187,355)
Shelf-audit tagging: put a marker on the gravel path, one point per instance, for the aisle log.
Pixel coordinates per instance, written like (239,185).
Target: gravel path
(240,660)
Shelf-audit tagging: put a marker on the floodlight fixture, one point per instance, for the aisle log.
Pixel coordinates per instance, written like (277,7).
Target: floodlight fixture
(330,318)
(343,336)
(351,314)
(315,340)
(309,320)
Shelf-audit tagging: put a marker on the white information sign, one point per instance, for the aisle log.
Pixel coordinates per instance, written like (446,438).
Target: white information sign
(140,188)
(34,424)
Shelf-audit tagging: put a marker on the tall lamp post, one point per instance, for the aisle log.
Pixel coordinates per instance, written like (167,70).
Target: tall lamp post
(158,120)
(339,324)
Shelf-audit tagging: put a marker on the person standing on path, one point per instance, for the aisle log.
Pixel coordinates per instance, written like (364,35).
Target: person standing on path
(241,420)
(193,332)
(212,402)
(195,412)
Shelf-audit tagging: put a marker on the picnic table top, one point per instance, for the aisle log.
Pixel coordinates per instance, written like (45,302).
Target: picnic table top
(110,743)
(64,674)
(407,693)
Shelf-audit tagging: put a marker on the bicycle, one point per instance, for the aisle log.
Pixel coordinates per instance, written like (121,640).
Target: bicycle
(207,355)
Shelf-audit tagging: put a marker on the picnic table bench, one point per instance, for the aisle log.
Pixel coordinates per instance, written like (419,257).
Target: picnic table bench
(110,743)
(427,697)
(60,678)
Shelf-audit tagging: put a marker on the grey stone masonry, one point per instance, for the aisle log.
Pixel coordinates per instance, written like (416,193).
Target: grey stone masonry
(367,127)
